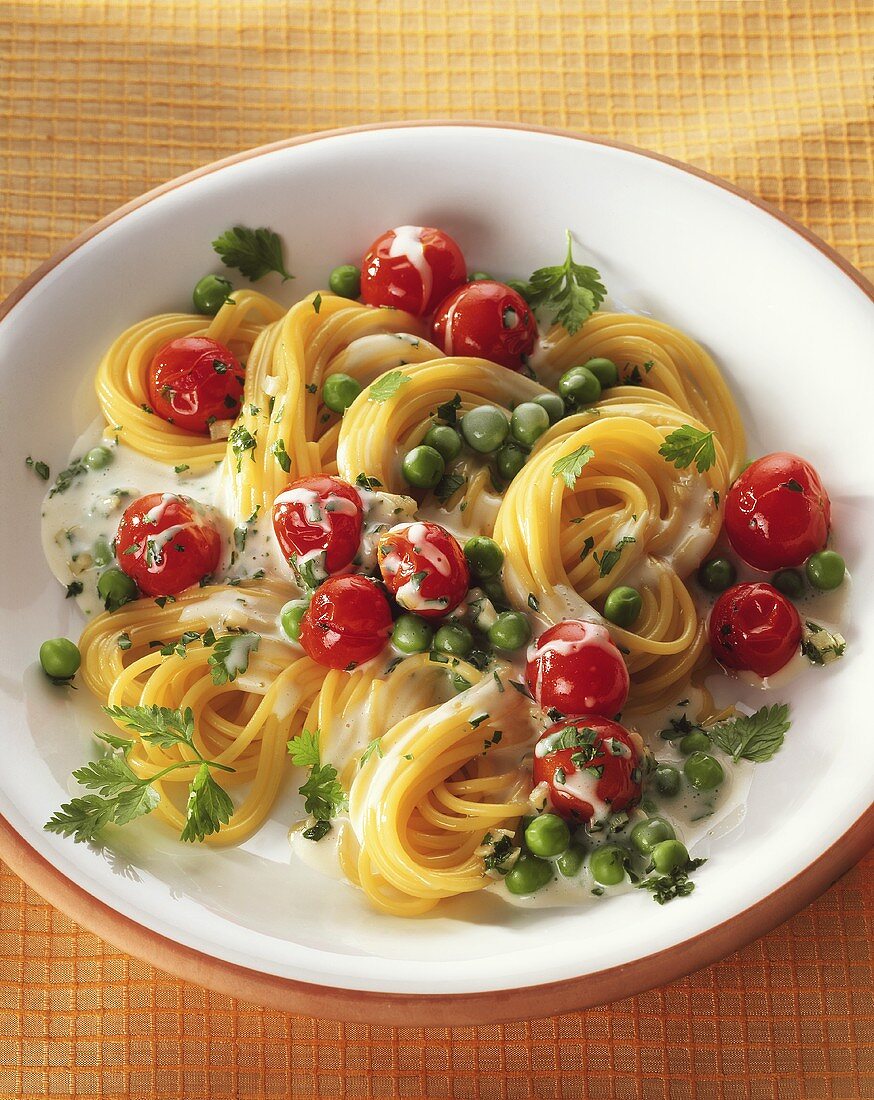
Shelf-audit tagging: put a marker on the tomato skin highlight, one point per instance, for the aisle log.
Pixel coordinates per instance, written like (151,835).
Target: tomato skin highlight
(576,668)
(754,628)
(194,380)
(487,320)
(777,512)
(619,783)
(347,622)
(421,564)
(412,268)
(319,513)
(162,564)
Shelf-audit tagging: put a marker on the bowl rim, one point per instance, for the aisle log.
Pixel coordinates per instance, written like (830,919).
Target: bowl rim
(448,1009)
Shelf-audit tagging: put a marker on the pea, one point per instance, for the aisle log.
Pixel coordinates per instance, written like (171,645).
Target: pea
(579,387)
(60,658)
(97,458)
(210,294)
(605,370)
(484,556)
(485,428)
(510,631)
(703,771)
(102,552)
(519,286)
(510,460)
(789,582)
(623,606)
(571,860)
(607,864)
(696,741)
(547,835)
(527,875)
(115,589)
(444,439)
(825,570)
(345,281)
(553,404)
(717,574)
(339,391)
(459,684)
(528,423)
(423,467)
(412,634)
(647,834)
(290,617)
(667,780)
(669,856)
(454,639)
(479,277)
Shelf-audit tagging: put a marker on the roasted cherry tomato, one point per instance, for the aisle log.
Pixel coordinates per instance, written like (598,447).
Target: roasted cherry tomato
(487,320)
(576,668)
(166,544)
(317,522)
(777,513)
(193,381)
(754,627)
(424,568)
(412,267)
(598,774)
(347,622)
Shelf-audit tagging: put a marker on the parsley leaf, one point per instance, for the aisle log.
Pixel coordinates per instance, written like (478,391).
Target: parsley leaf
(375,746)
(230,655)
(756,737)
(570,291)
(281,455)
(609,558)
(387,386)
(571,466)
(241,440)
(448,486)
(157,725)
(40,468)
(304,749)
(324,797)
(448,411)
(687,445)
(254,252)
(365,482)
(209,806)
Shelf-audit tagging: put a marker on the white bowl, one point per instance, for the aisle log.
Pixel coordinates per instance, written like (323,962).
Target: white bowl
(792,326)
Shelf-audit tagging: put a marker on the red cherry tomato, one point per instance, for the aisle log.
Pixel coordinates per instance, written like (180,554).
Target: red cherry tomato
(777,513)
(347,622)
(193,381)
(604,778)
(576,668)
(487,320)
(424,568)
(754,627)
(317,522)
(412,267)
(166,544)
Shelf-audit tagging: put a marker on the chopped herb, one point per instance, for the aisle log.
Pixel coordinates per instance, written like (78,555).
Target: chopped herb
(478,720)
(230,655)
(365,482)
(687,445)
(532,602)
(281,455)
(792,485)
(181,468)
(499,682)
(570,291)
(124,641)
(715,499)
(448,486)
(820,646)
(587,548)
(502,848)
(67,476)
(374,748)
(253,252)
(448,411)
(387,386)
(317,303)
(665,888)
(39,468)
(609,558)
(571,466)
(317,831)
(74,588)
(242,440)
(521,688)
(311,387)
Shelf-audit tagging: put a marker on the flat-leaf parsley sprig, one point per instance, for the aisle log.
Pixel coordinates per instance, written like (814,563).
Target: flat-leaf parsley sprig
(324,796)
(571,292)
(686,445)
(253,252)
(755,737)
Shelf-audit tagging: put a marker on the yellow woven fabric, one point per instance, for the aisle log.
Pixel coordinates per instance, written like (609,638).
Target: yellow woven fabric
(100,101)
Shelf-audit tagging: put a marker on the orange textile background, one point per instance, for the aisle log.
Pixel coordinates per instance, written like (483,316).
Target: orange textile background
(100,101)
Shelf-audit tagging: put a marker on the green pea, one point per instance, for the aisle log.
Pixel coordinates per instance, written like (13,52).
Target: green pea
(605,370)
(571,860)
(528,423)
(454,639)
(607,864)
(444,439)
(345,281)
(696,741)
(495,592)
(670,855)
(412,634)
(553,404)
(479,277)
(290,617)
(667,780)
(528,875)
(825,570)
(102,552)
(60,658)
(789,582)
(423,467)
(717,574)
(579,387)
(485,428)
(623,606)
(115,589)
(210,294)
(97,458)
(703,771)
(459,684)
(339,391)
(511,630)
(547,835)
(647,834)
(510,460)
(519,286)
(484,556)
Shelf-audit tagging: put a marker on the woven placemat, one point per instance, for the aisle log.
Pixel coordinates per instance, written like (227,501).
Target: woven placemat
(99,102)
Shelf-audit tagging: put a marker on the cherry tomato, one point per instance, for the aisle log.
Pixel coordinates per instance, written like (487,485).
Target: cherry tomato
(601,774)
(166,544)
(347,622)
(487,320)
(777,513)
(317,522)
(193,381)
(576,668)
(424,568)
(412,267)
(754,627)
